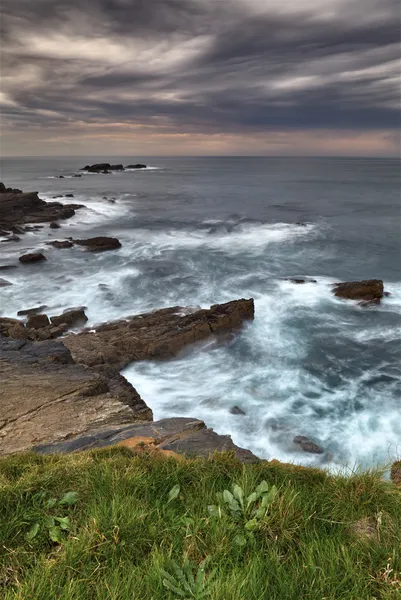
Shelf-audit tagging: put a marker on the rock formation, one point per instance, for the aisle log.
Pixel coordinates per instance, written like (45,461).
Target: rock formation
(370,290)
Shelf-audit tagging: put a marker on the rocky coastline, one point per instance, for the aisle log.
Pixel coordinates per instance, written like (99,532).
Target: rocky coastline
(69,395)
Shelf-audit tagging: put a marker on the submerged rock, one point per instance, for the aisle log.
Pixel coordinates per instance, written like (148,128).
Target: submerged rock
(99,244)
(54,225)
(307,445)
(236,410)
(32,258)
(370,290)
(137,166)
(4,282)
(157,335)
(300,280)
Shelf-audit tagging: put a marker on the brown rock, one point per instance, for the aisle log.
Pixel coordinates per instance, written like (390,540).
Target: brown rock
(72,317)
(99,244)
(37,321)
(32,258)
(370,290)
(32,311)
(158,335)
(12,328)
(46,397)
(60,244)
(307,445)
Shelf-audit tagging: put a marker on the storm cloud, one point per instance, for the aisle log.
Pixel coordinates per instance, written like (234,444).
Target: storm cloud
(238,69)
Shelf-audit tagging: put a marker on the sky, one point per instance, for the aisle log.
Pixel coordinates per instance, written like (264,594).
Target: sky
(200,77)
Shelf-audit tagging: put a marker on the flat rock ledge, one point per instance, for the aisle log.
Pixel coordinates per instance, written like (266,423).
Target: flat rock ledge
(56,400)
(178,435)
(157,335)
(46,397)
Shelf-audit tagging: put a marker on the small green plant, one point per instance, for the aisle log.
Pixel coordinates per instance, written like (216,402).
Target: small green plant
(250,510)
(185,584)
(56,526)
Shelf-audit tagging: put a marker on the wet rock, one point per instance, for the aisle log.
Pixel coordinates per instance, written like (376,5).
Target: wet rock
(72,317)
(102,167)
(236,410)
(12,238)
(137,166)
(32,311)
(32,258)
(38,321)
(60,244)
(4,282)
(157,335)
(4,190)
(99,244)
(307,445)
(18,208)
(387,294)
(54,225)
(300,280)
(68,195)
(7,267)
(76,175)
(65,400)
(60,176)
(12,328)
(370,290)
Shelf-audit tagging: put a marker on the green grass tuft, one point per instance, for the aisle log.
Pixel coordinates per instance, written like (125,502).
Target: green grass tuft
(139,528)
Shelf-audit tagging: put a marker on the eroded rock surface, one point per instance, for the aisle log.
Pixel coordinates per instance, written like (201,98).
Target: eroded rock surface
(157,335)
(179,435)
(46,397)
(370,290)
(99,244)
(18,208)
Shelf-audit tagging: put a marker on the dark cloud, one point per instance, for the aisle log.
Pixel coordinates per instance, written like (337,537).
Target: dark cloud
(232,66)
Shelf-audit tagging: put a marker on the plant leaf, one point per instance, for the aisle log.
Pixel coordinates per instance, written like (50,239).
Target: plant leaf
(252,525)
(240,540)
(262,488)
(214,511)
(33,532)
(51,502)
(48,521)
(173,493)
(239,494)
(251,498)
(173,588)
(69,499)
(64,522)
(55,535)
(227,496)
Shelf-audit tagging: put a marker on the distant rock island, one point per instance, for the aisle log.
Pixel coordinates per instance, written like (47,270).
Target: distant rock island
(106,168)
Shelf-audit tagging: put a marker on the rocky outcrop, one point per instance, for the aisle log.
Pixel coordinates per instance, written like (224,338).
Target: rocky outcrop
(60,244)
(186,436)
(137,166)
(157,335)
(307,445)
(18,208)
(301,280)
(45,397)
(101,167)
(370,290)
(35,257)
(75,317)
(99,244)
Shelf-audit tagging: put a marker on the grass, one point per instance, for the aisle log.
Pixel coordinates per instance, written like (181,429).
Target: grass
(323,537)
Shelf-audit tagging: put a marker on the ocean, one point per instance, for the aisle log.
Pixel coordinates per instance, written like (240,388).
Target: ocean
(200,231)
